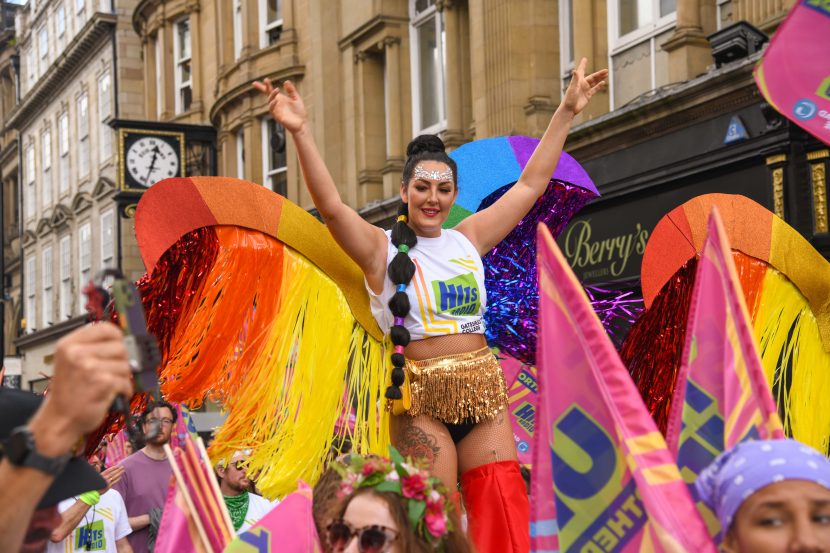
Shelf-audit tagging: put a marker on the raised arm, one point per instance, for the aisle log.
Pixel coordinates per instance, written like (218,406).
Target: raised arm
(490,226)
(362,241)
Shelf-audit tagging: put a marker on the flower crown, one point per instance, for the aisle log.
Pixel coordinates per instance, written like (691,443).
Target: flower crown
(425,497)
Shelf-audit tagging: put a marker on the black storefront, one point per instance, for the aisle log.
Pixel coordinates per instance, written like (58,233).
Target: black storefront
(712,134)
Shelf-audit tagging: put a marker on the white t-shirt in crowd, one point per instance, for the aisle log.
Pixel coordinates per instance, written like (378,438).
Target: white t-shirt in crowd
(103,525)
(258,507)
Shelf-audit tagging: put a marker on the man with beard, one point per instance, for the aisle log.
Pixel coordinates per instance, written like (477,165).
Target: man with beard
(245,508)
(147,473)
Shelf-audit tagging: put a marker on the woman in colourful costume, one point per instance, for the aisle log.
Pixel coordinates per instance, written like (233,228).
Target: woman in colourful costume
(447,388)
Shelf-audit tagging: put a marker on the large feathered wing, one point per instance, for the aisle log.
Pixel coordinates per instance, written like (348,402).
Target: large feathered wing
(257,308)
(786,284)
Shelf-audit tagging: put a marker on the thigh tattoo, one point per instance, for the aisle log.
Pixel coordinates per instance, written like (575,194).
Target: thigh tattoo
(414,442)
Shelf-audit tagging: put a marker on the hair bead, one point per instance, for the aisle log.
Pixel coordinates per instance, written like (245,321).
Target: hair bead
(400,270)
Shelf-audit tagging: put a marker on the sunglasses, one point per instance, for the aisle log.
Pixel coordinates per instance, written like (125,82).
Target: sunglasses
(370,539)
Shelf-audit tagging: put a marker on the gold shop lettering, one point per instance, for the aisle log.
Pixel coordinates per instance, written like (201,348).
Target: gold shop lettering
(616,251)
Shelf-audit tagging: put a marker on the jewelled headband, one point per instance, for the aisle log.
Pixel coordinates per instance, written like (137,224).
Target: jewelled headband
(421,173)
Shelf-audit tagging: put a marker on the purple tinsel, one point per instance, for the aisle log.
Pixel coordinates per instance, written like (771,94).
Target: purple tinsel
(510,269)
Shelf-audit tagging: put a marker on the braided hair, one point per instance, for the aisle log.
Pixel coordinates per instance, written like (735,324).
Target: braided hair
(402,269)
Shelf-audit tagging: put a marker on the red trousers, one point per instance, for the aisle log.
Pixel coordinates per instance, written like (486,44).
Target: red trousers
(498,510)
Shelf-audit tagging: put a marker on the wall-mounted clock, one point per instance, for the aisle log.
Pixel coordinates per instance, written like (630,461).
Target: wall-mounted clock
(146,157)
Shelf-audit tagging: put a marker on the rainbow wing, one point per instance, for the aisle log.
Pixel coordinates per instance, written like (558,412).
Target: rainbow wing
(786,284)
(486,170)
(257,308)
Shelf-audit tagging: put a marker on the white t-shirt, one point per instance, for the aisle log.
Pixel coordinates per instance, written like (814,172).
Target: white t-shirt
(103,525)
(258,507)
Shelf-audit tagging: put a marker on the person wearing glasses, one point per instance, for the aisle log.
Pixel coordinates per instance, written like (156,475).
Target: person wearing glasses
(244,506)
(147,473)
(392,506)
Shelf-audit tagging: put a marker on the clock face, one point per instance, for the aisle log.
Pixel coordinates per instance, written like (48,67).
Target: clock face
(151,159)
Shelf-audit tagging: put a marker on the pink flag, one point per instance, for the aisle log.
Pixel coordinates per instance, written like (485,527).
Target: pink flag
(117,448)
(603,477)
(521,403)
(794,74)
(721,397)
(176,532)
(288,528)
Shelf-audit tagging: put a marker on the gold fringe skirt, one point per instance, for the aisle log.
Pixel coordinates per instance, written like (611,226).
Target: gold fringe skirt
(456,388)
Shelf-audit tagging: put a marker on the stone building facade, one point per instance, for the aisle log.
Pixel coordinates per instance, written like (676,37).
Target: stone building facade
(375,73)
(80,67)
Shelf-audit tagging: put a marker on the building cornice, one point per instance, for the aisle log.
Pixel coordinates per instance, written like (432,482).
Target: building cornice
(51,333)
(369,29)
(295,72)
(665,110)
(99,26)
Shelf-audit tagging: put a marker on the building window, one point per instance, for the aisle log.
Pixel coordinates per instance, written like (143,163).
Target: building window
(428,60)
(104,112)
(46,168)
(566,39)
(273,155)
(31,295)
(237,29)
(80,8)
(84,259)
(60,26)
(107,241)
(29,60)
(30,181)
(184,89)
(43,50)
(48,313)
(270,17)
(642,15)
(65,301)
(105,6)
(63,147)
(83,136)
(240,153)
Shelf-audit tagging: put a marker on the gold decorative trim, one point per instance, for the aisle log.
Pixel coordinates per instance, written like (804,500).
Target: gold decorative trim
(778,191)
(818,174)
(818,154)
(778,158)
(129,211)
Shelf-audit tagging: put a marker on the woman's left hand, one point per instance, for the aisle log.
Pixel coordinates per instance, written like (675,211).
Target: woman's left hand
(582,88)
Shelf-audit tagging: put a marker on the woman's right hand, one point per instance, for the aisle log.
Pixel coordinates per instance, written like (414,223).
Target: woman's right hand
(286,106)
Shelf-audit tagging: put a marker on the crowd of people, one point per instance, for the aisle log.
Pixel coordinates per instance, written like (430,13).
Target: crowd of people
(447,394)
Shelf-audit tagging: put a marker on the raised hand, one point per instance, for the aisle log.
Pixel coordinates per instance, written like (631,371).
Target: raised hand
(112,475)
(286,106)
(582,88)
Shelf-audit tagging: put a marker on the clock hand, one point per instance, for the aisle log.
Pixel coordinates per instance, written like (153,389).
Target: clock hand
(156,153)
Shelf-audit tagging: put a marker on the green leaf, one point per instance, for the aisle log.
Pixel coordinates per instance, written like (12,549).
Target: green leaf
(395,455)
(373,480)
(389,486)
(416,511)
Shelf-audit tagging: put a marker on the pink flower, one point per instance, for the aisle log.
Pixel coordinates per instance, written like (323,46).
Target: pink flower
(345,490)
(436,524)
(369,468)
(435,506)
(413,486)
(392,476)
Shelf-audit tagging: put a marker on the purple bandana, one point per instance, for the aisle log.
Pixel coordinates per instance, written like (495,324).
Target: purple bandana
(746,468)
